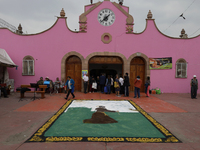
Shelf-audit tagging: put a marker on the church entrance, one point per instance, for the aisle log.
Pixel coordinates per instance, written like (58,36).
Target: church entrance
(74,69)
(110,65)
(137,68)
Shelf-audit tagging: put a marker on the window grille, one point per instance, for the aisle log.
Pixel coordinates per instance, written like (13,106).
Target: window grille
(181,70)
(28,66)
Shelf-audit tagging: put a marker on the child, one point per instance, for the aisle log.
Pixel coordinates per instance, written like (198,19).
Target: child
(137,85)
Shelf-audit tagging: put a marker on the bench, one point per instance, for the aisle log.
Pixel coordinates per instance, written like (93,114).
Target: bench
(43,87)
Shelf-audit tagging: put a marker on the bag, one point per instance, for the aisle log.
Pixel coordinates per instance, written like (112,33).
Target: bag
(18,89)
(94,85)
(153,91)
(23,90)
(116,84)
(105,89)
(73,89)
(158,91)
(149,91)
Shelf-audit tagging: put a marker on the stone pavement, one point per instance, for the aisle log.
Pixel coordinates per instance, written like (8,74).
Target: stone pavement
(19,120)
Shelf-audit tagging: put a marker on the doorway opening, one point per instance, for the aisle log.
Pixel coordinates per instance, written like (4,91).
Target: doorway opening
(110,65)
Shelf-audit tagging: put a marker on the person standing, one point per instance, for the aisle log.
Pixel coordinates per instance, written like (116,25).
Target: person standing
(70,86)
(98,86)
(90,84)
(112,84)
(147,86)
(92,88)
(126,85)
(108,84)
(117,86)
(102,81)
(137,85)
(85,81)
(194,87)
(121,81)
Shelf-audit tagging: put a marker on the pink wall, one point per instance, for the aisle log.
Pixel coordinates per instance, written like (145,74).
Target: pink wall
(49,47)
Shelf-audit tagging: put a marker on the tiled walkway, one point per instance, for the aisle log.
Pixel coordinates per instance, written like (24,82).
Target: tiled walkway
(19,120)
(56,101)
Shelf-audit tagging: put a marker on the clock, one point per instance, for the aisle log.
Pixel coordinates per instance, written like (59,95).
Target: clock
(106,17)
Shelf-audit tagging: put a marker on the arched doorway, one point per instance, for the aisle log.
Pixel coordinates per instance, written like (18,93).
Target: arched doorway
(110,65)
(137,68)
(73,69)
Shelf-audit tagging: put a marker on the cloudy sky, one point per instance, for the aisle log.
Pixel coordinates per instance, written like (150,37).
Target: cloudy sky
(39,15)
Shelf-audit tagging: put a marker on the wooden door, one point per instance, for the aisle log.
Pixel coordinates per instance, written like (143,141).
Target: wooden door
(137,68)
(74,69)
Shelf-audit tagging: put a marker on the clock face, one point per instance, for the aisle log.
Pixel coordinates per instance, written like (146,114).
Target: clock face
(106,17)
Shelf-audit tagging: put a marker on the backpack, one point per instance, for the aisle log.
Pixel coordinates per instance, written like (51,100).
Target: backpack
(116,84)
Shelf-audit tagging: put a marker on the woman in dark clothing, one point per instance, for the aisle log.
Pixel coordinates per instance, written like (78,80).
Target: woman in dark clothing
(102,81)
(108,84)
(147,86)
(126,85)
(98,86)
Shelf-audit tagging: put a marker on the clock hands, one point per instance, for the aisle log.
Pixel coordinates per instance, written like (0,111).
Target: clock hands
(105,18)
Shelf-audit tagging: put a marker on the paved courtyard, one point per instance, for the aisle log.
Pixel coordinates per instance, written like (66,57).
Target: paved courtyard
(19,120)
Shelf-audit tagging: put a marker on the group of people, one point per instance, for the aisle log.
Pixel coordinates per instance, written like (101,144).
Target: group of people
(106,85)
(51,86)
(55,86)
(119,85)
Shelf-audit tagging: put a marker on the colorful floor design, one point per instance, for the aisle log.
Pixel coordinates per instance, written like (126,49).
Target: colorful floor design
(134,124)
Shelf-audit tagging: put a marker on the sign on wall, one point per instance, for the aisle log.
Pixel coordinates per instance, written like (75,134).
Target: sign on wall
(160,63)
(84,72)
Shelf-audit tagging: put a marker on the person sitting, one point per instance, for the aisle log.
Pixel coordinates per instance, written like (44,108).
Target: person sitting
(49,84)
(57,85)
(40,82)
(3,89)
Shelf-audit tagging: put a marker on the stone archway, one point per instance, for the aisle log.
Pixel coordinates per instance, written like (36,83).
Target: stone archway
(64,64)
(125,65)
(146,64)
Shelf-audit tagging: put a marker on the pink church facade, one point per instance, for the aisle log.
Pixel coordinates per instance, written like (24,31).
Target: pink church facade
(98,47)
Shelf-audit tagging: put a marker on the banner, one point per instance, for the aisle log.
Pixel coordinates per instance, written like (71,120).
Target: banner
(84,72)
(160,63)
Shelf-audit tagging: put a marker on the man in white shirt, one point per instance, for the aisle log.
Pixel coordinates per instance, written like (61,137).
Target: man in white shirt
(121,81)
(85,81)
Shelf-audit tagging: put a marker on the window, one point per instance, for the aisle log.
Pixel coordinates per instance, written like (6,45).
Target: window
(28,65)
(181,68)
